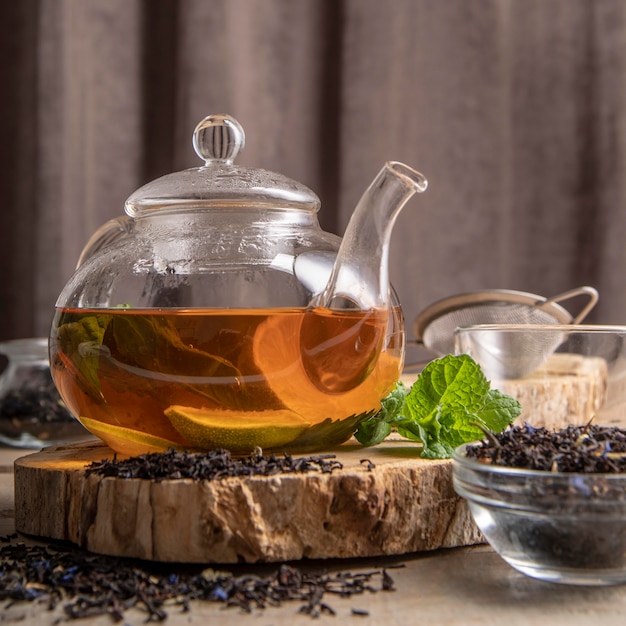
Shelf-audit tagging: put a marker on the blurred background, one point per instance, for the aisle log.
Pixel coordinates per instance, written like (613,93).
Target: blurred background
(515,110)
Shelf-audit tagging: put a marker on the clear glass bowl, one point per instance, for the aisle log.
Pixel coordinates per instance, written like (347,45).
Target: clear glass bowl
(560,527)
(32,413)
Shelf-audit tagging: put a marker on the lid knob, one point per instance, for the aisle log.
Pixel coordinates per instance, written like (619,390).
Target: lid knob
(219,182)
(218,138)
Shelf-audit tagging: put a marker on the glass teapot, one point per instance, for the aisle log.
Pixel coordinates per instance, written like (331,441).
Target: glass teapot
(218,314)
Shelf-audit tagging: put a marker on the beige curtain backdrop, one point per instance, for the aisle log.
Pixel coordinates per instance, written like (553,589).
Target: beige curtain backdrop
(515,110)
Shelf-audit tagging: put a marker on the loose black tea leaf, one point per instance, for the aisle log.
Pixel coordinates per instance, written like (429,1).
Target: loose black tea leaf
(88,585)
(588,449)
(211,465)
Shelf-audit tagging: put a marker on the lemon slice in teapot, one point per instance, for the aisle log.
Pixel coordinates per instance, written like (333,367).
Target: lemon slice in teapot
(127,440)
(236,430)
(277,352)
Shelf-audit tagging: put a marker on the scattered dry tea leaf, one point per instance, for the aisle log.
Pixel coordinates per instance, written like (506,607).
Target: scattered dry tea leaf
(85,586)
(213,465)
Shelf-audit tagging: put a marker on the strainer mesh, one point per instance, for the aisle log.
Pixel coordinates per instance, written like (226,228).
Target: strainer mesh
(438,336)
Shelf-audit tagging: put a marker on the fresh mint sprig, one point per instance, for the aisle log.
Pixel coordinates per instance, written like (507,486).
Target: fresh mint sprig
(446,406)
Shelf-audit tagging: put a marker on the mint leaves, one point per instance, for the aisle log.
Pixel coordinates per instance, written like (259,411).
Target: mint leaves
(446,407)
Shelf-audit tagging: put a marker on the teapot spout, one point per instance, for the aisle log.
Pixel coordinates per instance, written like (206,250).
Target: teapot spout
(360,275)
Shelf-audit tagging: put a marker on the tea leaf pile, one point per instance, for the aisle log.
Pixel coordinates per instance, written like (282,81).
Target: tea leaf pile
(589,449)
(211,465)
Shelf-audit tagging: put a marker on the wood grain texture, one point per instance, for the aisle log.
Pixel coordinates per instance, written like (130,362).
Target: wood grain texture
(403,505)
(567,389)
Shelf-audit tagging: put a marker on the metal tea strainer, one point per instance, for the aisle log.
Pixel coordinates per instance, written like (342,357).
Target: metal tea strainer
(435,326)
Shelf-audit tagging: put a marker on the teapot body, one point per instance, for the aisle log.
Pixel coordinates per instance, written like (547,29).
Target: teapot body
(196,332)
(222,259)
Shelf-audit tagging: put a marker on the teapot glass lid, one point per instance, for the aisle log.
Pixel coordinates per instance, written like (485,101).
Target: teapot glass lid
(220,182)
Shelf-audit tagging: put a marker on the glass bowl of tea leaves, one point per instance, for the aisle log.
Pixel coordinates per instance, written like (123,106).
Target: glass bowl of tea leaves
(551,503)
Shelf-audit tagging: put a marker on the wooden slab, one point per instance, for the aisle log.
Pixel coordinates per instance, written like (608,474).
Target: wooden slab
(404,504)
(567,389)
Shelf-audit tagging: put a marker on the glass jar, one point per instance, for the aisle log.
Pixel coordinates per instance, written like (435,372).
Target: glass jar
(32,413)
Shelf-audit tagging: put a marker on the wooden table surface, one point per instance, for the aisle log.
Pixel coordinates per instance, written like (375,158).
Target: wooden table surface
(461,586)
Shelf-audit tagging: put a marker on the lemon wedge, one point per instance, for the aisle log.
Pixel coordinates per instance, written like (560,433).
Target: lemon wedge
(126,440)
(238,431)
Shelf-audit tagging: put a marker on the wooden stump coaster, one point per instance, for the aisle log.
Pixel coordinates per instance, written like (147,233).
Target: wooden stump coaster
(401,505)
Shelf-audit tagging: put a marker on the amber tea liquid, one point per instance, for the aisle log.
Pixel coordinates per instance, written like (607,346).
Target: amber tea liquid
(235,370)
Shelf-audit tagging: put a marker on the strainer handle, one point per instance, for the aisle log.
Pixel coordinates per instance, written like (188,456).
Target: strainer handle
(572,293)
